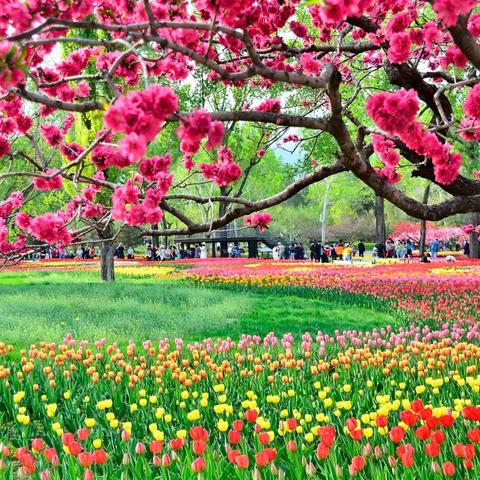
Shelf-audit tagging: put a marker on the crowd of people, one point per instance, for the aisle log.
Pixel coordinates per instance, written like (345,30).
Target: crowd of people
(318,252)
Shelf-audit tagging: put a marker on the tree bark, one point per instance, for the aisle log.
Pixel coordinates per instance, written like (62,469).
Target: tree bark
(380,236)
(423,224)
(107,266)
(474,243)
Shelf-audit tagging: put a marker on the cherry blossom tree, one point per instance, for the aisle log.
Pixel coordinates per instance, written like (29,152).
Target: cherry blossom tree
(393,83)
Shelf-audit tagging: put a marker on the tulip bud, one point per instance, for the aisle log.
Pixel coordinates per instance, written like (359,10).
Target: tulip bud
(310,469)
(125,459)
(292,446)
(304,461)
(378,452)
(339,470)
(3,465)
(139,448)
(274,469)
(281,474)
(367,449)
(45,475)
(391,461)
(166,460)
(125,436)
(436,467)
(55,461)
(157,461)
(256,475)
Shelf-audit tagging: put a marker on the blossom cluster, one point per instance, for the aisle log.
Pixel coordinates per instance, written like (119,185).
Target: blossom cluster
(396,114)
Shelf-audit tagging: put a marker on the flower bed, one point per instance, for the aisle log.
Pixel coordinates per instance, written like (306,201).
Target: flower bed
(388,403)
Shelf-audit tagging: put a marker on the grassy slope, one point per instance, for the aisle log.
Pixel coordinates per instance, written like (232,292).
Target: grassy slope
(44,306)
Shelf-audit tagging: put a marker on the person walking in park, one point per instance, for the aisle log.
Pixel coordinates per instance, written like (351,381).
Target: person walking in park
(434,248)
(361,249)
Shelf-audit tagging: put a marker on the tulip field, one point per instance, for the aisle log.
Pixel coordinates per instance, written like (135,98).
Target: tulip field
(397,401)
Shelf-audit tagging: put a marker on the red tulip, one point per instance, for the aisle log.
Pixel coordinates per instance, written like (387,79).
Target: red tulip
(448,469)
(405,449)
(292,446)
(198,433)
(68,438)
(327,434)
(432,449)
(199,447)
(438,436)
(198,465)
(422,433)
(351,424)
(237,425)
(156,446)
(85,459)
(458,450)
(75,448)
(176,443)
(291,424)
(87,475)
(251,415)
(409,417)
(99,456)
(37,444)
(381,421)
(447,420)
(407,460)
(125,436)
(322,451)
(261,459)
(242,461)
(396,434)
(157,461)
(358,463)
(474,435)
(83,434)
(234,437)
(469,451)
(264,438)
(417,405)
(271,452)
(468,464)
(232,455)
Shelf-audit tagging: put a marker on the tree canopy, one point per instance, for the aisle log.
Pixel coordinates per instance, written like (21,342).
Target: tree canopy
(132,110)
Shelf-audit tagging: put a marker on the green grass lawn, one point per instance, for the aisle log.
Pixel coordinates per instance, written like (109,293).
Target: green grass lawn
(37,306)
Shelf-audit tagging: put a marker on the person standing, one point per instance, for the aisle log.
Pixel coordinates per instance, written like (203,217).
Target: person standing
(130,253)
(434,248)
(361,249)
(203,251)
(409,247)
(466,248)
(120,251)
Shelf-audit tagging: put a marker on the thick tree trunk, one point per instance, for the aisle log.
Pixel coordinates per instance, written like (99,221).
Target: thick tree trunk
(474,244)
(423,224)
(107,262)
(380,219)
(107,267)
